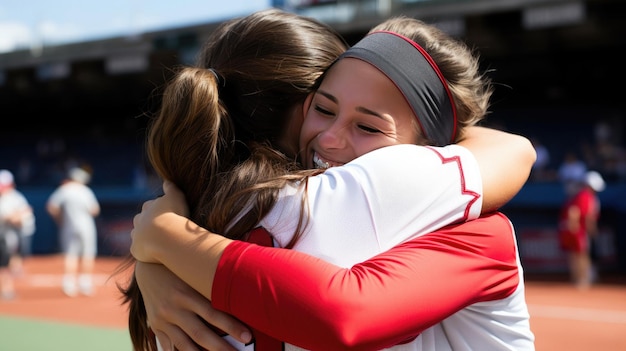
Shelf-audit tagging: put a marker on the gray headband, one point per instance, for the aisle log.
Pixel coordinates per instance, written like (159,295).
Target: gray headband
(417,76)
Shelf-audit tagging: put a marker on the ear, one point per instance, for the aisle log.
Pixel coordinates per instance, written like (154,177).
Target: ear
(307,104)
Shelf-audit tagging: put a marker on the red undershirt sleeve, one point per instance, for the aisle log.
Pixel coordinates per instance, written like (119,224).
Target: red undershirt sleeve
(381,302)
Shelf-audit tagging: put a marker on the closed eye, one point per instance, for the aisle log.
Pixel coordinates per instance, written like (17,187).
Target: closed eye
(323,111)
(370,129)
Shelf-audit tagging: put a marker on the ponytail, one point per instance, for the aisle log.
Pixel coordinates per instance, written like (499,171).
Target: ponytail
(192,135)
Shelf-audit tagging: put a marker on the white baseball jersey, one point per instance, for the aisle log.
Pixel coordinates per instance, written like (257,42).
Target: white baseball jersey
(360,210)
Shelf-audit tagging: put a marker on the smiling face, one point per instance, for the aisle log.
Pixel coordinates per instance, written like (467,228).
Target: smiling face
(356,109)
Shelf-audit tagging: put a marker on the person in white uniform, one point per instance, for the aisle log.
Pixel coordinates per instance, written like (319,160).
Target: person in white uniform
(16,221)
(74,207)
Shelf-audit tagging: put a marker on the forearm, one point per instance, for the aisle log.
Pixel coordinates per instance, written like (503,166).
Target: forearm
(18,216)
(591,225)
(54,212)
(163,234)
(505,161)
(14,219)
(188,250)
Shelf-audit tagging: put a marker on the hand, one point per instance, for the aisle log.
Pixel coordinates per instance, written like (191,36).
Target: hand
(176,313)
(154,213)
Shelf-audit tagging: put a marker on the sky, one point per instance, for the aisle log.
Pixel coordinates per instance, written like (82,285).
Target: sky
(28,23)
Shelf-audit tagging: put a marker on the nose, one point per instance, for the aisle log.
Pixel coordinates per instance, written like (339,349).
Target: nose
(333,137)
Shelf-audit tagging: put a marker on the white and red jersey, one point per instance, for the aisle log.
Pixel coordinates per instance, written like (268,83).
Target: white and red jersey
(456,289)
(379,200)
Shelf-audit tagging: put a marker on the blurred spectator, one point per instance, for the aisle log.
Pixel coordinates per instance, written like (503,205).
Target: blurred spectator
(50,147)
(602,132)
(16,221)
(606,154)
(74,206)
(24,171)
(541,168)
(571,171)
(611,160)
(578,225)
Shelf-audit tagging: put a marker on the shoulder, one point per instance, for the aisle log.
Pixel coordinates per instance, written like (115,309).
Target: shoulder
(404,150)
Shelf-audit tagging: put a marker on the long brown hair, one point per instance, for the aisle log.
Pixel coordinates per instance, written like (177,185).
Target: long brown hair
(220,124)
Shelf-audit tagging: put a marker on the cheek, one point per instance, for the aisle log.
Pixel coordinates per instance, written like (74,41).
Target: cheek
(412,134)
(308,130)
(314,123)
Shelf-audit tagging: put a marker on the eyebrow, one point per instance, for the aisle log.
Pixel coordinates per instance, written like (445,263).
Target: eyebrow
(360,109)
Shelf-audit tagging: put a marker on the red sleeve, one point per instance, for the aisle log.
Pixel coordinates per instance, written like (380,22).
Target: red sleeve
(384,301)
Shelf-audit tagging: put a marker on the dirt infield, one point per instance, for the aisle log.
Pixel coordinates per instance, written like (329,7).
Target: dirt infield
(562,317)
(39,295)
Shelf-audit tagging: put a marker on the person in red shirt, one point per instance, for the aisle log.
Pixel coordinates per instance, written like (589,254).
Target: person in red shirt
(578,224)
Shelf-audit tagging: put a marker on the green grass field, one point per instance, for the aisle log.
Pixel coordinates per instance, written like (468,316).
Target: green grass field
(20,334)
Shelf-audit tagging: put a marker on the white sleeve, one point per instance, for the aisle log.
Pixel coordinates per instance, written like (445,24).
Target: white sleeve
(379,200)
